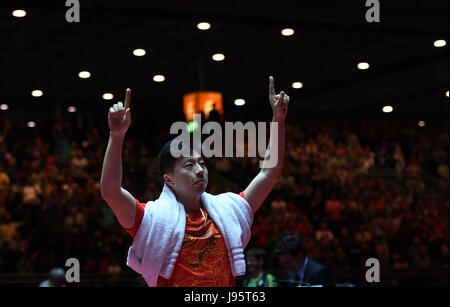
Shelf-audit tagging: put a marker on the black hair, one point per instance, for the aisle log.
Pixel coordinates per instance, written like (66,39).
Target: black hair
(291,244)
(257,252)
(166,161)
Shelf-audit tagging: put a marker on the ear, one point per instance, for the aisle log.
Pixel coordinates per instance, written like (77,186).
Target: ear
(168,180)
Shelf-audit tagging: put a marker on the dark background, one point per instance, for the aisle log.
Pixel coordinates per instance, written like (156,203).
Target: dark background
(43,51)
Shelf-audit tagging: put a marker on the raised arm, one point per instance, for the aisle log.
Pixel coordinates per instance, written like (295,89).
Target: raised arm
(270,173)
(120,201)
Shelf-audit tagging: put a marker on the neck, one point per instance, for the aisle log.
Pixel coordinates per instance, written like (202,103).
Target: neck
(191,203)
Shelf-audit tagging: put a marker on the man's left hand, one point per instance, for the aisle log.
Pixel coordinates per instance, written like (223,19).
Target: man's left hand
(279,103)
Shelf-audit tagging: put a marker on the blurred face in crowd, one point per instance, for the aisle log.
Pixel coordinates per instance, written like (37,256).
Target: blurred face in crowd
(290,262)
(254,264)
(189,176)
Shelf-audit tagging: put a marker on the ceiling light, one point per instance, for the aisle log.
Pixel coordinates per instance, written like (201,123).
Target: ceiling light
(297,85)
(4,107)
(31,124)
(71,109)
(387,109)
(139,52)
(84,74)
(159,78)
(203,26)
(37,93)
(107,96)
(363,65)
(239,102)
(446,93)
(440,43)
(421,123)
(218,57)
(19,13)
(287,32)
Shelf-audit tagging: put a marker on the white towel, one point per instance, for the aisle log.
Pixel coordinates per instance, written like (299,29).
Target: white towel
(158,241)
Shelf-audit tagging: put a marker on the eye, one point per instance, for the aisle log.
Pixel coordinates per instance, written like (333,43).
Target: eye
(188,165)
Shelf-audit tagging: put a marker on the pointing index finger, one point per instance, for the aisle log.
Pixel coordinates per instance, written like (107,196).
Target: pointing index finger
(128,99)
(271,86)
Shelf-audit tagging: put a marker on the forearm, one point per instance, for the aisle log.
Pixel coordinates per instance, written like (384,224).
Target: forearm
(111,178)
(272,166)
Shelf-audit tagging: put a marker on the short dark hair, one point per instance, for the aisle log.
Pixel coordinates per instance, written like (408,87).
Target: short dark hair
(257,252)
(291,244)
(166,161)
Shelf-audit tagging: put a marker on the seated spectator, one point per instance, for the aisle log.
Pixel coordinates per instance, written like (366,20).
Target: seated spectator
(300,268)
(31,192)
(5,183)
(57,278)
(256,276)
(324,234)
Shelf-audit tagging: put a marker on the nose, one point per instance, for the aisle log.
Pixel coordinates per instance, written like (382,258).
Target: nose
(199,171)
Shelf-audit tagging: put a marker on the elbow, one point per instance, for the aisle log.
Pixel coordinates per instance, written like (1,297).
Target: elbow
(105,192)
(272,178)
(102,189)
(277,176)
(276,179)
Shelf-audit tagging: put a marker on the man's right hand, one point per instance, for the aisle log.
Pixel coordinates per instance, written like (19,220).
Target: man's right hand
(119,117)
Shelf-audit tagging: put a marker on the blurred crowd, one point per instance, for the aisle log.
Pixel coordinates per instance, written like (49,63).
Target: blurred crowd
(351,190)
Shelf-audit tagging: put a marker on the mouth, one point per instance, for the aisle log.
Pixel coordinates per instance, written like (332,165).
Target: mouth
(200,181)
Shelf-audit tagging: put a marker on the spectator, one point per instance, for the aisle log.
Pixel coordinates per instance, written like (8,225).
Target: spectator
(57,278)
(5,183)
(256,275)
(41,178)
(324,234)
(333,208)
(31,192)
(301,269)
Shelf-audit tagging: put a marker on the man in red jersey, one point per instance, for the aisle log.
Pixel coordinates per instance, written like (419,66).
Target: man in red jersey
(208,248)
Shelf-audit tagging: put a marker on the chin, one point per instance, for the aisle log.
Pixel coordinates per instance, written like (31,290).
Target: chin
(199,188)
(203,188)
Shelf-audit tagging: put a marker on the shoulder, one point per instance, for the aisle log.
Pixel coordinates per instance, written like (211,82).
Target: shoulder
(234,199)
(316,266)
(140,212)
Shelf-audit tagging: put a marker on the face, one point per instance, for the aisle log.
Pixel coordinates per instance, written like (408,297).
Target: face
(189,177)
(289,262)
(253,264)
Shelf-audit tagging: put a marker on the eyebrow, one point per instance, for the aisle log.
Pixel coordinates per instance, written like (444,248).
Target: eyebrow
(192,160)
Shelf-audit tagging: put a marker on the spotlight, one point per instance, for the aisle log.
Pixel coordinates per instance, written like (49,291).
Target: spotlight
(287,32)
(37,93)
(19,13)
(84,74)
(363,65)
(139,52)
(218,57)
(387,109)
(159,78)
(204,26)
(239,102)
(107,96)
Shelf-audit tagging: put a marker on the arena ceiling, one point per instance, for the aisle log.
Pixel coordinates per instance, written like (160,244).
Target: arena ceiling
(44,51)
